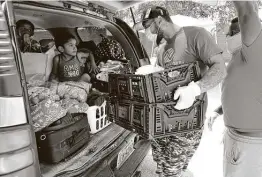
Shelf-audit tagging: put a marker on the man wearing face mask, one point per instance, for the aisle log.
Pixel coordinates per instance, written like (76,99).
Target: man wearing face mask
(183,45)
(25,31)
(242,96)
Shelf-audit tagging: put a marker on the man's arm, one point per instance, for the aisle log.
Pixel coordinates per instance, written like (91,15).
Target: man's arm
(249,21)
(213,116)
(210,53)
(94,67)
(215,74)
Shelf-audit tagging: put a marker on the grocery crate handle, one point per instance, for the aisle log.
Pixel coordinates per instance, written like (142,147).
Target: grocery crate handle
(170,69)
(197,101)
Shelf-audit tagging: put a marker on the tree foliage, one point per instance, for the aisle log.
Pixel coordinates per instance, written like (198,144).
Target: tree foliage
(221,15)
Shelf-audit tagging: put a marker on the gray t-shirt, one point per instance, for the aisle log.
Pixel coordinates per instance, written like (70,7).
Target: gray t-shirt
(242,89)
(188,45)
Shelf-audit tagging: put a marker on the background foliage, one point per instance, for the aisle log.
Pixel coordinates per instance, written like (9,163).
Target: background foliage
(221,15)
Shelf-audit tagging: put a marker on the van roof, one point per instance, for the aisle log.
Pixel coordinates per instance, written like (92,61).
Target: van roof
(113,6)
(117,5)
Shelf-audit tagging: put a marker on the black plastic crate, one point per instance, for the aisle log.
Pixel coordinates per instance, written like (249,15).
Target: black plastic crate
(102,86)
(157,87)
(157,120)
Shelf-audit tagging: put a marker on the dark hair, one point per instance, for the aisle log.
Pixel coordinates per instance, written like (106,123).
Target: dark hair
(234,27)
(62,39)
(20,23)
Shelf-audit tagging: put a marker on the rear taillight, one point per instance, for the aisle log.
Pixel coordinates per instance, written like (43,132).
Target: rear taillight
(17,154)
(12,112)
(19,139)
(15,161)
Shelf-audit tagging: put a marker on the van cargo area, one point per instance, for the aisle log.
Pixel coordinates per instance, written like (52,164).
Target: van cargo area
(69,118)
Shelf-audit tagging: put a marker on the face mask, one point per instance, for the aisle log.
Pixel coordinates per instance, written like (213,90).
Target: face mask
(234,43)
(152,37)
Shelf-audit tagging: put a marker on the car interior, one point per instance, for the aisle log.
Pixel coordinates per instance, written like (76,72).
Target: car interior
(49,21)
(53,20)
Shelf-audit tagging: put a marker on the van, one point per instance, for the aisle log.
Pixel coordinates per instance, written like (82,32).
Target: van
(112,151)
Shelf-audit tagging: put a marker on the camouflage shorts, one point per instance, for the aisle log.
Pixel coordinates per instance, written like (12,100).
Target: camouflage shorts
(173,153)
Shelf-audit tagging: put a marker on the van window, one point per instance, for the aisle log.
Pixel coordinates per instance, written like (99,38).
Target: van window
(40,34)
(92,33)
(45,39)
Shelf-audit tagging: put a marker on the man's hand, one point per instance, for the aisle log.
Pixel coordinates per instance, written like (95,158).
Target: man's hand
(138,26)
(186,95)
(211,119)
(26,39)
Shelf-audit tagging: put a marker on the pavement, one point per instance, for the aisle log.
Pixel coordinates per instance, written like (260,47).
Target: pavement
(208,159)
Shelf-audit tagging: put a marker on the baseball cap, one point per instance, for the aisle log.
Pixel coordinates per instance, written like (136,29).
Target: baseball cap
(152,13)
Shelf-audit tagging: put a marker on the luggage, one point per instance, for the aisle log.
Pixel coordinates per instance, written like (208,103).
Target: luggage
(63,138)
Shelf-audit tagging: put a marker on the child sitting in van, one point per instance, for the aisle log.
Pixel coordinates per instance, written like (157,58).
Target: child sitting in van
(85,50)
(66,65)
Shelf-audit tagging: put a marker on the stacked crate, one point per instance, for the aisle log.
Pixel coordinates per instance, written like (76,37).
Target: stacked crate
(144,103)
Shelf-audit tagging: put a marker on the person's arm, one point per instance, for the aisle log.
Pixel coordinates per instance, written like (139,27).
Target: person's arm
(215,74)
(209,52)
(249,21)
(213,116)
(94,67)
(54,73)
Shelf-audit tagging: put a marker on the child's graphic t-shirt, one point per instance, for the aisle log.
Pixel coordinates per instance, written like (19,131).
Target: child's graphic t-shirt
(70,70)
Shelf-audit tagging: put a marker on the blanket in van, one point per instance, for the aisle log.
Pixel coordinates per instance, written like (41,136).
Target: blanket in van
(51,101)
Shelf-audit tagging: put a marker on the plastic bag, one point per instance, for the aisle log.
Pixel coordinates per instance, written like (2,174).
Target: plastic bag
(148,69)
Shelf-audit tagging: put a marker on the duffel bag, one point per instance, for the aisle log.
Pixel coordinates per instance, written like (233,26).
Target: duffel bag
(63,138)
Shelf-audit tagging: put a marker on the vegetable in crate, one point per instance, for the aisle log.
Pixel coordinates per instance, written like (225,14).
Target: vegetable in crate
(148,69)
